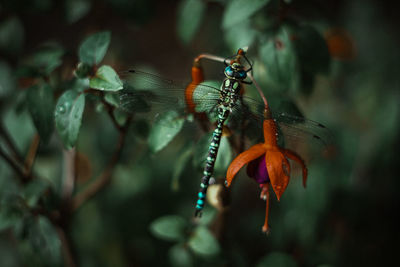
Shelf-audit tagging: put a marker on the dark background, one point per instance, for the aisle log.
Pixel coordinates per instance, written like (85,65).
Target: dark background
(345,217)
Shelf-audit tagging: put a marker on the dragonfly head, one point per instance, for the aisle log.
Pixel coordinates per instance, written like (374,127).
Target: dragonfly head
(235,71)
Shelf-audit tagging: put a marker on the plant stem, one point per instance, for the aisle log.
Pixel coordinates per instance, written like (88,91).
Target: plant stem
(210,57)
(66,248)
(69,178)
(14,166)
(110,110)
(260,92)
(7,138)
(105,177)
(30,157)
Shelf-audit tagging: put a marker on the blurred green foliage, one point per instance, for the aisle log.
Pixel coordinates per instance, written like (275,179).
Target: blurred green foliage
(107,188)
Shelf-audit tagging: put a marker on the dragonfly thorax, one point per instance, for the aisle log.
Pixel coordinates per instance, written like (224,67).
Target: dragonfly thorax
(230,91)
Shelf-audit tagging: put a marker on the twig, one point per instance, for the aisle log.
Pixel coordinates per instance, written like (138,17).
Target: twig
(30,157)
(66,248)
(15,166)
(260,92)
(110,110)
(69,178)
(10,143)
(109,107)
(105,176)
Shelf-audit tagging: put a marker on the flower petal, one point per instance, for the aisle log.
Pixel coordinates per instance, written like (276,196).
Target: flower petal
(293,156)
(257,170)
(197,77)
(278,169)
(242,159)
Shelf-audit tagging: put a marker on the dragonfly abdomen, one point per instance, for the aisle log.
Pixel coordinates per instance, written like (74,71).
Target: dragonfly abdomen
(210,160)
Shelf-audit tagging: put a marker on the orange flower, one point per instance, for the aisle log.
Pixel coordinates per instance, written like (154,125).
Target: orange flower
(274,170)
(340,44)
(197,77)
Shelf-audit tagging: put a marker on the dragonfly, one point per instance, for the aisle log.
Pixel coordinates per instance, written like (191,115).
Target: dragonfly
(226,104)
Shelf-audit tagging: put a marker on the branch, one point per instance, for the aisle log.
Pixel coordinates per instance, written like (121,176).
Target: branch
(105,177)
(14,166)
(107,105)
(10,143)
(69,178)
(66,248)
(30,157)
(110,110)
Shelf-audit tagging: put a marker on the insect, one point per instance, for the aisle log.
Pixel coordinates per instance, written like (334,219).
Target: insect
(229,95)
(225,104)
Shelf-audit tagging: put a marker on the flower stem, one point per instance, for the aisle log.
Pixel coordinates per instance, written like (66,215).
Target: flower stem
(260,92)
(210,57)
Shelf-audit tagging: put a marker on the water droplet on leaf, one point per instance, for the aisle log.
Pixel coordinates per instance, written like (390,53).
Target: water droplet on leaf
(61,109)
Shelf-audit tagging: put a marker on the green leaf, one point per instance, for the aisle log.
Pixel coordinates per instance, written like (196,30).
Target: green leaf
(277,259)
(180,165)
(239,10)
(112,99)
(106,79)
(208,216)
(224,156)
(41,105)
(12,210)
(280,59)
(201,150)
(46,59)
(76,9)
(78,85)
(171,228)
(312,50)
(68,116)
(93,48)
(241,35)
(120,116)
(167,126)
(11,35)
(44,239)
(203,243)
(179,256)
(7,80)
(191,14)
(34,190)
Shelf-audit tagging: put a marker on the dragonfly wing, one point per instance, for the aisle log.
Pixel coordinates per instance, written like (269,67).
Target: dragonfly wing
(299,126)
(156,95)
(305,137)
(308,138)
(133,101)
(144,80)
(141,80)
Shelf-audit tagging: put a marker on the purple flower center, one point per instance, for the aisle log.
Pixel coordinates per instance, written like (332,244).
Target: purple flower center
(257,170)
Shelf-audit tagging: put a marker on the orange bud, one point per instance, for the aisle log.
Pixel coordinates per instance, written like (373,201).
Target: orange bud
(340,44)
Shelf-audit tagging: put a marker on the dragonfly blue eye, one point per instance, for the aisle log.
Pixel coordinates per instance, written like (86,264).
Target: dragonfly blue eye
(229,71)
(242,74)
